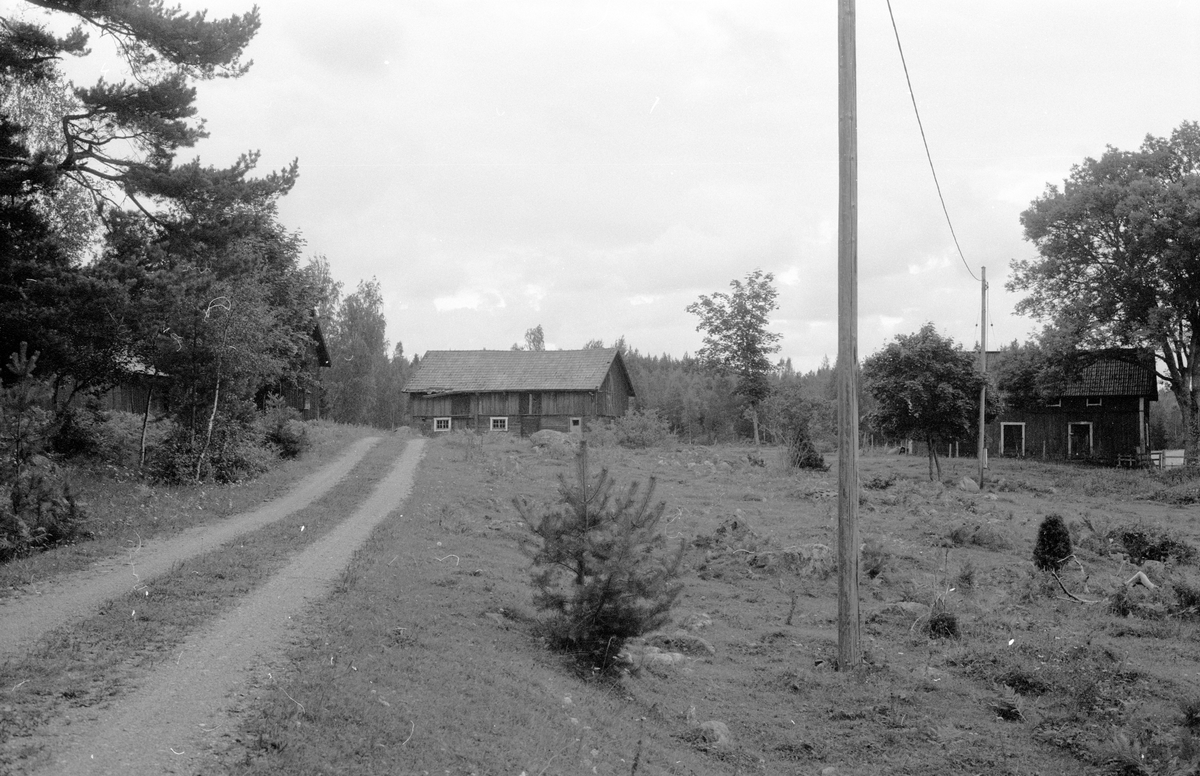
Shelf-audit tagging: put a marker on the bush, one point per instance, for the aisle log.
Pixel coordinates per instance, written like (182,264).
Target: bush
(80,433)
(641,428)
(1141,546)
(284,428)
(236,452)
(603,576)
(801,453)
(37,509)
(1053,547)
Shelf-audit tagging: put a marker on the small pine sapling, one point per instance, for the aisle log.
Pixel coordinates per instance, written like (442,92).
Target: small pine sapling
(1053,548)
(601,571)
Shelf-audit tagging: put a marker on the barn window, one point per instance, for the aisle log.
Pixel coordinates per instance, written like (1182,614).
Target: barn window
(500,424)
(441,424)
(1093,401)
(1054,402)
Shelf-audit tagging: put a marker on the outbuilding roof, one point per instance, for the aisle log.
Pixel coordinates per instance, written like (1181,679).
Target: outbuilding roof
(1115,372)
(1121,373)
(477,371)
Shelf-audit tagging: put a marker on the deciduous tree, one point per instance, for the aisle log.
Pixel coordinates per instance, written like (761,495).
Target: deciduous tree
(926,387)
(1119,259)
(736,339)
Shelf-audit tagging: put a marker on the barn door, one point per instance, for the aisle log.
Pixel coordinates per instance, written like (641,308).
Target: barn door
(1079,440)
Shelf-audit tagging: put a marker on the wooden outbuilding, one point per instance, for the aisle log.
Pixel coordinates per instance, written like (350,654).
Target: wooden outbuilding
(1101,414)
(519,391)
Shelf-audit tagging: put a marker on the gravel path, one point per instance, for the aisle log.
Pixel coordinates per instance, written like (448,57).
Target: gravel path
(25,618)
(178,717)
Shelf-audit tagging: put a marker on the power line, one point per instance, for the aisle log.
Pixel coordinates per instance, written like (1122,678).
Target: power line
(928,156)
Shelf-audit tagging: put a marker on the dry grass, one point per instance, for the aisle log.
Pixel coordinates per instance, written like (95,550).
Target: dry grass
(124,510)
(90,662)
(428,660)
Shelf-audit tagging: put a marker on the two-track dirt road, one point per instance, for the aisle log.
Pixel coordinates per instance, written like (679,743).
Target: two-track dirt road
(179,712)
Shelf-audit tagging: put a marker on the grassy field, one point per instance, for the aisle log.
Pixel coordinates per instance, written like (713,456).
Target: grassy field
(426,659)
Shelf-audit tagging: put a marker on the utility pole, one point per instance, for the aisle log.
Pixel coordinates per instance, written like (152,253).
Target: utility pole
(983,370)
(849,625)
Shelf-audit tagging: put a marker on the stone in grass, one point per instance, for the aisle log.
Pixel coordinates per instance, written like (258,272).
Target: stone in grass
(969,485)
(716,734)
(696,621)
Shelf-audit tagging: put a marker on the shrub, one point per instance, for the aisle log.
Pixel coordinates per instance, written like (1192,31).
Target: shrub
(235,453)
(80,433)
(601,572)
(284,428)
(37,509)
(801,453)
(1053,547)
(1142,546)
(641,428)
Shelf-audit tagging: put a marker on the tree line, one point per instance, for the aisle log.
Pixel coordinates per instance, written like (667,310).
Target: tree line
(118,260)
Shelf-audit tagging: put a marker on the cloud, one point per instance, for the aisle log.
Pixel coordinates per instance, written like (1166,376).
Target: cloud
(469,299)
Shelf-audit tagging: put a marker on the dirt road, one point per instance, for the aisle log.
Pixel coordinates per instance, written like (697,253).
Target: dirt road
(180,714)
(25,618)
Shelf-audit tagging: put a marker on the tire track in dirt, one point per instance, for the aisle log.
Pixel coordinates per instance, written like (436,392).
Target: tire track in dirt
(171,724)
(24,619)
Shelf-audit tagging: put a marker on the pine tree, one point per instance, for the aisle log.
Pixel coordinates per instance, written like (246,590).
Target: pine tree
(601,573)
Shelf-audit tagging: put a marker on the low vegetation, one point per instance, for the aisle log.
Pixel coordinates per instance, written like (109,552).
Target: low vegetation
(976,660)
(601,574)
(436,653)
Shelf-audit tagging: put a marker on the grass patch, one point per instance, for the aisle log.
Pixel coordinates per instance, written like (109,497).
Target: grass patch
(93,661)
(426,657)
(124,510)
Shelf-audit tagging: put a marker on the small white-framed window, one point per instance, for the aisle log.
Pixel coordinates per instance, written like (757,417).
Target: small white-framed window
(441,424)
(500,424)
(1093,401)
(576,425)
(1056,402)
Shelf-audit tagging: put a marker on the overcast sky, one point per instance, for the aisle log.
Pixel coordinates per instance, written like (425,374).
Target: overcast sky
(594,167)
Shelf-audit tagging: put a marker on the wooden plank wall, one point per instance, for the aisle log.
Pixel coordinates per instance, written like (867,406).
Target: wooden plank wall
(1115,427)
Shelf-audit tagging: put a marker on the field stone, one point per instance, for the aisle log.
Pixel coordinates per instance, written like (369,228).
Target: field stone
(696,621)
(716,734)
(969,485)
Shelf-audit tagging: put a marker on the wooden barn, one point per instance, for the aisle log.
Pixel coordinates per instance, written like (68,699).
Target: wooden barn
(519,391)
(1102,414)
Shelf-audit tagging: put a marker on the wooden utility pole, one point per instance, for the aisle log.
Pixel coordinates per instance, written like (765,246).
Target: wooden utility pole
(849,625)
(983,371)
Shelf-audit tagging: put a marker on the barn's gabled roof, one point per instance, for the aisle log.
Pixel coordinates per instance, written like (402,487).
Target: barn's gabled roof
(477,371)
(1116,372)
(1121,374)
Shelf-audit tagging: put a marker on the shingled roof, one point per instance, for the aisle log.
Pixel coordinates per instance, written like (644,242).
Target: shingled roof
(1118,372)
(1123,374)
(478,371)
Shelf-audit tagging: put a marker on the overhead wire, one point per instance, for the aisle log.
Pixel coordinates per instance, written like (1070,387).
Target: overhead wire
(928,156)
